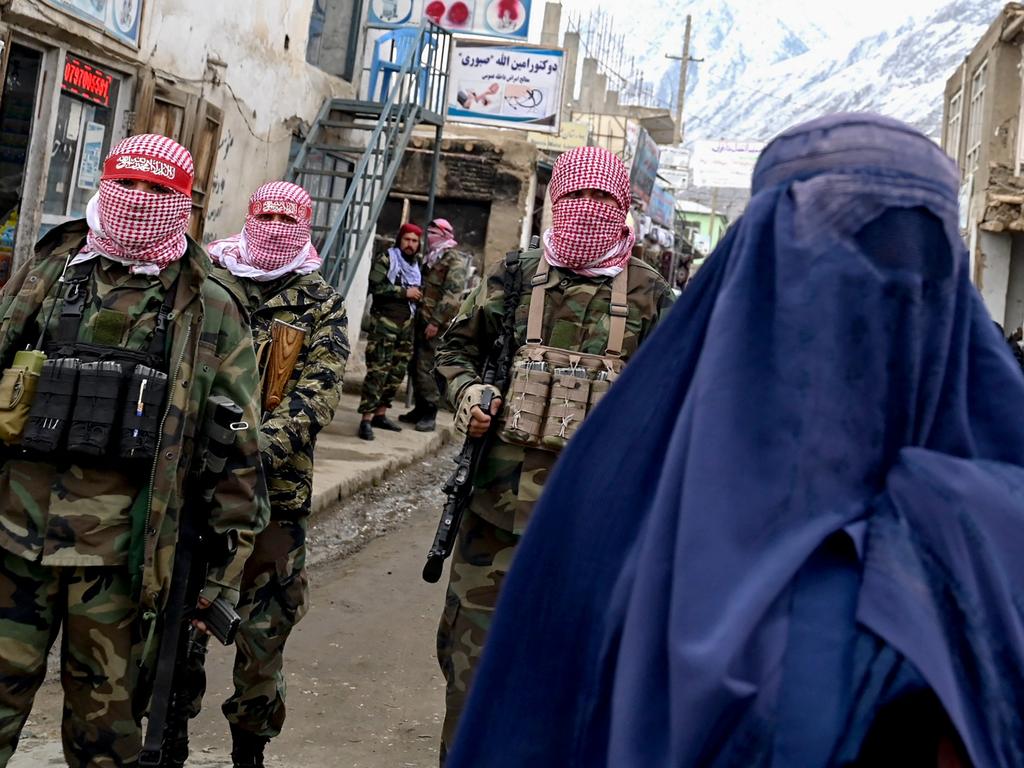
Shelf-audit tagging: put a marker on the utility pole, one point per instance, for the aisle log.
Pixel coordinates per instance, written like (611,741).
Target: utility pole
(684,64)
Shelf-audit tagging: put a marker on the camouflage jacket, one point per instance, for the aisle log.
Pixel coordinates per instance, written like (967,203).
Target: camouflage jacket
(576,317)
(210,353)
(288,435)
(389,301)
(443,284)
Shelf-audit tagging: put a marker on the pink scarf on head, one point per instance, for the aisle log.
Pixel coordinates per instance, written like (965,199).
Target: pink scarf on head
(267,250)
(440,238)
(144,230)
(589,237)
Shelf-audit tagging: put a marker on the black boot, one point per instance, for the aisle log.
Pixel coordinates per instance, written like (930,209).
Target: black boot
(383,422)
(365,431)
(428,423)
(412,416)
(246,748)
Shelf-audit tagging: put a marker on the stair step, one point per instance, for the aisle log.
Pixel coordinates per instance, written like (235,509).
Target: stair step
(323,172)
(343,148)
(349,124)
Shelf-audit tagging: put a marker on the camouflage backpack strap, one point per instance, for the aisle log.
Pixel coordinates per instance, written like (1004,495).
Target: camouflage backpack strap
(535,320)
(619,311)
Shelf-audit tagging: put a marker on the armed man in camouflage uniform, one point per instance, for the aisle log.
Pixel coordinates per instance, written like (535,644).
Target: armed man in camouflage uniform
(274,269)
(395,281)
(444,279)
(89,529)
(586,248)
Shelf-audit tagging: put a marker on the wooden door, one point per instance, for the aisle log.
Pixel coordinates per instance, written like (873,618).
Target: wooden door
(191,121)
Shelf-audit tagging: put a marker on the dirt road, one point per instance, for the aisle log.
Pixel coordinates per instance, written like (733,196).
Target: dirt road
(364,689)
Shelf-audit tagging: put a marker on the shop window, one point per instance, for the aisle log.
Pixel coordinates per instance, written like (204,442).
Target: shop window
(334,28)
(17,110)
(86,113)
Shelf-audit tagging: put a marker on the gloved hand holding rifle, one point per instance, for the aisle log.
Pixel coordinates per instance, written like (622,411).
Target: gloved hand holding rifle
(478,406)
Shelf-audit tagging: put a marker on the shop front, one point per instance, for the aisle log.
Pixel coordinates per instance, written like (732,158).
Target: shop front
(61,109)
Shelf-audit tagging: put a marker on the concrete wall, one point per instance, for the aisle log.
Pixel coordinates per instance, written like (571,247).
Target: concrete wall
(247,57)
(265,90)
(492,166)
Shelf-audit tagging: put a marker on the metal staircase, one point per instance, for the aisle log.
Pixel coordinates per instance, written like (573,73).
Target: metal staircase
(352,153)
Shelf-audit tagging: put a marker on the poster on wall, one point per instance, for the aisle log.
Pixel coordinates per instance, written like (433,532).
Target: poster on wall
(92,156)
(505,86)
(495,18)
(120,19)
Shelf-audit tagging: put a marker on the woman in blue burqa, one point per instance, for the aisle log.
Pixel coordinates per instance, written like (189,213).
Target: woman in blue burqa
(792,535)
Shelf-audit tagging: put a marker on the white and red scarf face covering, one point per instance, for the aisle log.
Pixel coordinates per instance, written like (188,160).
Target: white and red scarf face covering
(267,250)
(440,238)
(143,230)
(589,237)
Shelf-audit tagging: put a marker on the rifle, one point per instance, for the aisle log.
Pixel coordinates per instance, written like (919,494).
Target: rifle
(198,550)
(285,348)
(459,486)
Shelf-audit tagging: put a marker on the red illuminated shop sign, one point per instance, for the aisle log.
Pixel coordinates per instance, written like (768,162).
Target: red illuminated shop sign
(87,82)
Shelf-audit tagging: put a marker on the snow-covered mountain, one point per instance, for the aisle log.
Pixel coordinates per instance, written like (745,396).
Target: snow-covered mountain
(770,63)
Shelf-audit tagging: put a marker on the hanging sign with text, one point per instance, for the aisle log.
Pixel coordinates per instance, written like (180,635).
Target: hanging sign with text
(505,86)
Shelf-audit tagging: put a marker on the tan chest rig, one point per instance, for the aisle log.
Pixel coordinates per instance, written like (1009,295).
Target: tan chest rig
(552,390)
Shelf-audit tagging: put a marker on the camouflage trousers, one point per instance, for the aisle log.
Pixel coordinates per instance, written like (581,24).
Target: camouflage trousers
(424,383)
(388,349)
(483,553)
(275,597)
(96,609)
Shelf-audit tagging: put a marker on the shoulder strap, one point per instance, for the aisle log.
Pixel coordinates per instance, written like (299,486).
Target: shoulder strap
(73,304)
(535,321)
(619,311)
(158,343)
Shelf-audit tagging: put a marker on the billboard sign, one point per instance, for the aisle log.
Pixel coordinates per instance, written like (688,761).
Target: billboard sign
(644,169)
(121,19)
(724,164)
(506,86)
(494,18)
(662,207)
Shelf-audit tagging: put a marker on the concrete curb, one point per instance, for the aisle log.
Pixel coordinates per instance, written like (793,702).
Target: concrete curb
(375,474)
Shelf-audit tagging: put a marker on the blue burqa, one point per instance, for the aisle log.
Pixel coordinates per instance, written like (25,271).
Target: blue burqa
(803,501)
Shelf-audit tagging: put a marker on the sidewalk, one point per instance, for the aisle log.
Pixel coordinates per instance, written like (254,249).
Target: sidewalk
(345,464)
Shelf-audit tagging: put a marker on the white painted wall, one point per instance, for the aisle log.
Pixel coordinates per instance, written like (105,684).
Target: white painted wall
(1013,318)
(993,276)
(264,89)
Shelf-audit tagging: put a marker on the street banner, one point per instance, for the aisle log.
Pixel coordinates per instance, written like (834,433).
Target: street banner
(506,86)
(662,207)
(494,18)
(120,19)
(724,164)
(644,170)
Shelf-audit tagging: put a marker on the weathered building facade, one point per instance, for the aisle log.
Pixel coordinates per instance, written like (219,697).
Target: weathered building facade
(231,79)
(982,132)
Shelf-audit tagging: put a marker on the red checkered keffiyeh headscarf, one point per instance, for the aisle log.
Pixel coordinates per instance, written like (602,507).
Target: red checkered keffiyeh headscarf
(587,236)
(267,250)
(440,238)
(144,230)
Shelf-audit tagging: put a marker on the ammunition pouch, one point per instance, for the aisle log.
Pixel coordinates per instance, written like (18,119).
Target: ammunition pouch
(18,385)
(552,390)
(91,401)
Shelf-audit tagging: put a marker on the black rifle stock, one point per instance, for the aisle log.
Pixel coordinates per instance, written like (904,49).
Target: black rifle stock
(198,550)
(459,486)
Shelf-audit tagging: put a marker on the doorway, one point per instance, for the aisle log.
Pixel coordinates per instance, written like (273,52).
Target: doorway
(17,114)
